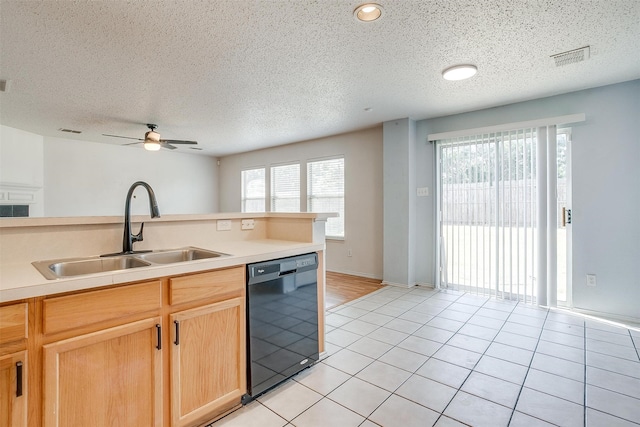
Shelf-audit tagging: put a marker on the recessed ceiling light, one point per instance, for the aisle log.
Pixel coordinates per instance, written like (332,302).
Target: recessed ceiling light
(368,12)
(460,72)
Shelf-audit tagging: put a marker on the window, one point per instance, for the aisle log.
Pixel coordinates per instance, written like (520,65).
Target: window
(325,192)
(253,190)
(285,188)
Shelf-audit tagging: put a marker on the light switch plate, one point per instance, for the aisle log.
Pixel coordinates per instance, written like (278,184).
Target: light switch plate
(223,225)
(423,191)
(248,224)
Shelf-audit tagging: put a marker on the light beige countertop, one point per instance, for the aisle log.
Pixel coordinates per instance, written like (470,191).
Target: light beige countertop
(22,280)
(23,241)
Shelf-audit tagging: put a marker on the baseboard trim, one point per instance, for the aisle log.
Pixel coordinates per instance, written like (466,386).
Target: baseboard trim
(397,285)
(426,285)
(632,322)
(355,273)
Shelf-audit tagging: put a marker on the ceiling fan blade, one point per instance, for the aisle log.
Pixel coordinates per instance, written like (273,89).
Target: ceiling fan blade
(126,137)
(166,145)
(176,141)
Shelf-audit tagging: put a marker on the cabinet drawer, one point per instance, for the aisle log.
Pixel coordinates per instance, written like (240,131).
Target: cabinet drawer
(73,311)
(219,283)
(13,322)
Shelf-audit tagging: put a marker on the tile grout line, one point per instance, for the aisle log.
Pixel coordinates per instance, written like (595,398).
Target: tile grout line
(472,369)
(366,418)
(584,410)
(518,304)
(413,373)
(528,368)
(635,346)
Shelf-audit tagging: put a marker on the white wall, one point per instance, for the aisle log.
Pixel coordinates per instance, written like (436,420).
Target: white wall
(362,151)
(21,164)
(91,179)
(606,188)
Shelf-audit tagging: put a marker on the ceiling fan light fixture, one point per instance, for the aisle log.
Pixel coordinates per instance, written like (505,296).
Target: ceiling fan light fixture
(460,72)
(152,136)
(368,12)
(151,145)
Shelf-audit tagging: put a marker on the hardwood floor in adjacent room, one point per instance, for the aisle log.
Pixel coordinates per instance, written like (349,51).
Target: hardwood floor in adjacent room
(342,288)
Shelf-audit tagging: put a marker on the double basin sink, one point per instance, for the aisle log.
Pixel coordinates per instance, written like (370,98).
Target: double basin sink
(70,267)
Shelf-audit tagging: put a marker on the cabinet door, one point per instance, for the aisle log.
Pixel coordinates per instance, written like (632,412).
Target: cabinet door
(13,390)
(107,378)
(208,361)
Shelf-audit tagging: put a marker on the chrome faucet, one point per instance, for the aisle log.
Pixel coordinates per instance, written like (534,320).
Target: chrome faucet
(129,239)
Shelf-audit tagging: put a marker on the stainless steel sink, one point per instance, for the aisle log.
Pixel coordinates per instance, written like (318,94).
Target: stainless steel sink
(178,255)
(78,266)
(60,268)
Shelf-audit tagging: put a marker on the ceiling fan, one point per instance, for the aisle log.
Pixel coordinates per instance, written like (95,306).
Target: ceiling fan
(152,141)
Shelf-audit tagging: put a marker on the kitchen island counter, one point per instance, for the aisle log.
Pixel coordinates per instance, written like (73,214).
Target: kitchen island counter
(25,241)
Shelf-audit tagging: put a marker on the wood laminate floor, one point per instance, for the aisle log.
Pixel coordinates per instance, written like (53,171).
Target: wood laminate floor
(342,288)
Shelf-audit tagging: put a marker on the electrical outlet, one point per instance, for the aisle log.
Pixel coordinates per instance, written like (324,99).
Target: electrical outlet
(349,253)
(423,191)
(223,225)
(248,224)
(591,280)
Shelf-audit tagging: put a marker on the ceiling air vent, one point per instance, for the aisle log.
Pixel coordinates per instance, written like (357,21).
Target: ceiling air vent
(5,85)
(69,130)
(571,57)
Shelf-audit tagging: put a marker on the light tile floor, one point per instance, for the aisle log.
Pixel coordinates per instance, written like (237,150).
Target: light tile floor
(419,357)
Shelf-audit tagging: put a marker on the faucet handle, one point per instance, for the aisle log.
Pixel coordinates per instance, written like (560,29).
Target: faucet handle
(138,237)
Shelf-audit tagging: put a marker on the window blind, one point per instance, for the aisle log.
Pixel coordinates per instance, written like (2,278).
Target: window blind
(285,188)
(325,192)
(253,190)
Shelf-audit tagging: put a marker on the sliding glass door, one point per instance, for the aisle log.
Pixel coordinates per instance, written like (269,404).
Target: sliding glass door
(487,204)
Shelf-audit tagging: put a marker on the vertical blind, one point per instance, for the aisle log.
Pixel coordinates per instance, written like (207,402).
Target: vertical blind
(253,190)
(487,204)
(325,192)
(285,188)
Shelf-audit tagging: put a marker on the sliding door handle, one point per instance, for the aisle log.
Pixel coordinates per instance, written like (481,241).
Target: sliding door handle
(566,216)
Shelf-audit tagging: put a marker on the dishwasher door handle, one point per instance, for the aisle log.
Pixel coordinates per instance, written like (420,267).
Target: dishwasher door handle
(286,273)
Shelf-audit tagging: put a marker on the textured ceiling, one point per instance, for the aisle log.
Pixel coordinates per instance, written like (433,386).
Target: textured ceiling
(241,75)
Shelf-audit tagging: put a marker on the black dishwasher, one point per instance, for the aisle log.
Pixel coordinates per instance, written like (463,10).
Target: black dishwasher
(282,320)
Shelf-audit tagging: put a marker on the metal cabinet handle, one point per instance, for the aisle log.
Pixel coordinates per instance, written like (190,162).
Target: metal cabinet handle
(159,330)
(18,379)
(177,341)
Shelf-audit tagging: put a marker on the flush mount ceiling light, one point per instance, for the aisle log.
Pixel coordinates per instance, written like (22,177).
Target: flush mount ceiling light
(368,12)
(460,72)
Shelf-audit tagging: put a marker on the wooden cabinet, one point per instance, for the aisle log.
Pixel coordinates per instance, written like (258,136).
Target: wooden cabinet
(159,353)
(111,377)
(13,365)
(208,368)
(13,390)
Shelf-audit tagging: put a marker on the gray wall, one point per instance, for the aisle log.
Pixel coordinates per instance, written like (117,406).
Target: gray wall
(399,202)
(606,188)
(362,151)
